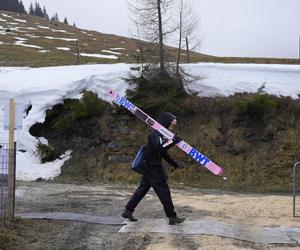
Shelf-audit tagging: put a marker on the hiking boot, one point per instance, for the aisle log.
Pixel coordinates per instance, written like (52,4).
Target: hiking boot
(175,220)
(127,214)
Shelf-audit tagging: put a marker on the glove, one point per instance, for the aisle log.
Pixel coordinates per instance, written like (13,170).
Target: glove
(176,139)
(179,166)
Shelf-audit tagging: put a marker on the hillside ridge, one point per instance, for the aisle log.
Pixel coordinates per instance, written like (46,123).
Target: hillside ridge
(27,40)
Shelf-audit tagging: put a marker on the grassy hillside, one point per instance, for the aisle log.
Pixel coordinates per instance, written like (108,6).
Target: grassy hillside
(32,41)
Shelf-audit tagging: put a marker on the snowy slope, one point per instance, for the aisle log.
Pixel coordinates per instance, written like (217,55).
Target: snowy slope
(45,87)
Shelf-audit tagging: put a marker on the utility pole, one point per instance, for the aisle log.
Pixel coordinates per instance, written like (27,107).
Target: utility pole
(187,50)
(77,49)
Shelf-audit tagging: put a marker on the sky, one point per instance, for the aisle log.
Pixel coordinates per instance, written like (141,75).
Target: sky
(244,28)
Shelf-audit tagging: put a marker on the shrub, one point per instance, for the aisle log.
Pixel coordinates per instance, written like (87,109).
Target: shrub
(64,124)
(89,105)
(74,110)
(256,107)
(157,93)
(46,153)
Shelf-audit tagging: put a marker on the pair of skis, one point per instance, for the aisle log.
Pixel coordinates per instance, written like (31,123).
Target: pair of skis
(189,150)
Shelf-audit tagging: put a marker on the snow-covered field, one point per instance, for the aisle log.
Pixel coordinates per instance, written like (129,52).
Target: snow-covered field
(45,87)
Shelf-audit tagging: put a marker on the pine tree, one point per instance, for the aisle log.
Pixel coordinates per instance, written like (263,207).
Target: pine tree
(21,8)
(38,10)
(45,13)
(55,17)
(66,21)
(31,10)
(12,5)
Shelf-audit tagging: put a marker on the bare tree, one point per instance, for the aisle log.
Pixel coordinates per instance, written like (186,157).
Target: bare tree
(188,29)
(153,18)
(140,46)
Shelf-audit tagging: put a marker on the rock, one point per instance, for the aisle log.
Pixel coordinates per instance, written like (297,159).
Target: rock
(114,112)
(119,158)
(116,145)
(270,133)
(236,143)
(251,137)
(124,130)
(40,180)
(218,141)
(217,137)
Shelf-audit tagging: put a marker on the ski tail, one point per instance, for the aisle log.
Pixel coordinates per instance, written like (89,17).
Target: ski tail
(189,150)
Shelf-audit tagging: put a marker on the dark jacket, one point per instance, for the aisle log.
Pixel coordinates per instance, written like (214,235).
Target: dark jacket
(155,151)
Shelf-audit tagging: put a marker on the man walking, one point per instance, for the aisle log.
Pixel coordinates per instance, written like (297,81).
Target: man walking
(154,175)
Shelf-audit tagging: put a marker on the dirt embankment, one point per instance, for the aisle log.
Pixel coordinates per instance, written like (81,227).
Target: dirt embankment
(253,137)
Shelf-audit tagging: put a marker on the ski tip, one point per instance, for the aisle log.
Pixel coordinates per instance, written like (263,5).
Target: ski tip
(214,168)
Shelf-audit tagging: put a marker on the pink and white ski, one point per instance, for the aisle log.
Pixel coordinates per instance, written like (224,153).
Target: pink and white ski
(189,150)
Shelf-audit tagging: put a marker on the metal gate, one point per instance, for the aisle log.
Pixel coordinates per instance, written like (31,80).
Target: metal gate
(7,183)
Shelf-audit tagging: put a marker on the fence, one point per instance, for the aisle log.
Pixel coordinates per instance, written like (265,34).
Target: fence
(7,183)
(295,187)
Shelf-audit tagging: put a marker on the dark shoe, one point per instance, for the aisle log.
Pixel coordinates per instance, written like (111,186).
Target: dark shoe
(127,214)
(175,220)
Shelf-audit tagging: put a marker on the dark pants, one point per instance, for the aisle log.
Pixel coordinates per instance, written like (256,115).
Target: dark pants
(162,190)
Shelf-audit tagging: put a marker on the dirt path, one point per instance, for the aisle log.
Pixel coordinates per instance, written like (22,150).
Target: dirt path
(248,209)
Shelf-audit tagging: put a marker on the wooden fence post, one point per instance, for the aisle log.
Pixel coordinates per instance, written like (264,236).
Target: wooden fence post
(11,168)
(78,53)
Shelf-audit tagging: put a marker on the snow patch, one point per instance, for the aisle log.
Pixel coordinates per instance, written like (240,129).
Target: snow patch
(5,15)
(63,48)
(21,38)
(20,43)
(13,23)
(32,169)
(99,56)
(29,28)
(62,31)
(117,49)
(20,20)
(61,38)
(31,36)
(111,52)
(43,27)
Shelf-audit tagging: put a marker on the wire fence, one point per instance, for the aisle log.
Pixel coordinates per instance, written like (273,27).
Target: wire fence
(7,183)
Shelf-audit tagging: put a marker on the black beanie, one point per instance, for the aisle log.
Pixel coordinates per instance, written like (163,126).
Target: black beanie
(165,119)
